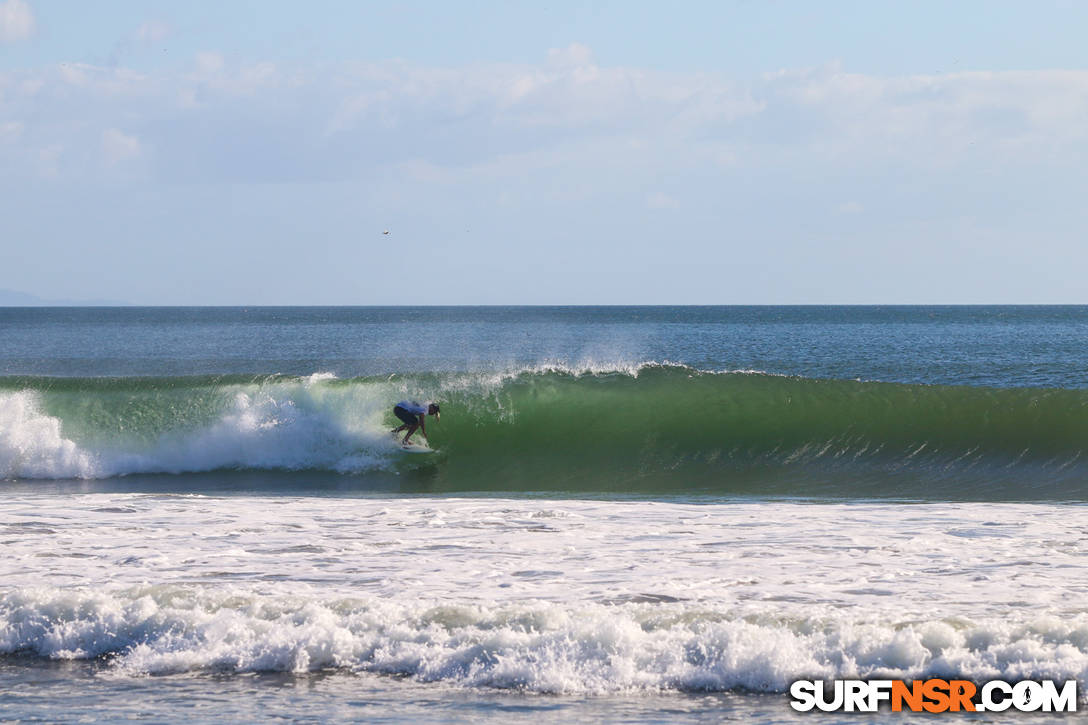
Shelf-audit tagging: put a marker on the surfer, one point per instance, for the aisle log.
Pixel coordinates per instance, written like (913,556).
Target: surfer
(413,413)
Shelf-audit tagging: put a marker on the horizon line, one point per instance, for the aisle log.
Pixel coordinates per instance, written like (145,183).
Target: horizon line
(539,305)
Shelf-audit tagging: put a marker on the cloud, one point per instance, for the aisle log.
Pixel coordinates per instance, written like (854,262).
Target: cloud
(209,62)
(16,21)
(10,131)
(660,200)
(574,55)
(850,207)
(561,119)
(149,33)
(152,31)
(48,160)
(933,119)
(118,146)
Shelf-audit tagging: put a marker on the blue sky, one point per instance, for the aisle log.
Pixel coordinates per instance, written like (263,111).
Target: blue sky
(559,153)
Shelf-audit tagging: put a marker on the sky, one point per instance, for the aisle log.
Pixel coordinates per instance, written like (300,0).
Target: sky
(249,153)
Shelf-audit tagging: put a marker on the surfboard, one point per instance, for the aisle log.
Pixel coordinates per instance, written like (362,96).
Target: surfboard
(416,448)
(412,446)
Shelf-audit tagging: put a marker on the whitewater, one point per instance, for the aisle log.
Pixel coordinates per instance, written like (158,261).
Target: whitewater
(548,596)
(631,514)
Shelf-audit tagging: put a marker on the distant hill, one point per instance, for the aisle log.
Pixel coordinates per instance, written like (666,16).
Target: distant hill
(12,298)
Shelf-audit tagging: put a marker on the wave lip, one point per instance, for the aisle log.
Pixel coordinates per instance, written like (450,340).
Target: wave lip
(536,647)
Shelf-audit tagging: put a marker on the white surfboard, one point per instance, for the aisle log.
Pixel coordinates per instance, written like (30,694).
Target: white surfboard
(412,446)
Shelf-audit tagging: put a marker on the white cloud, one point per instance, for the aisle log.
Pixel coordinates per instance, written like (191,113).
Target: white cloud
(221,119)
(74,73)
(935,119)
(16,21)
(850,207)
(209,62)
(101,82)
(259,74)
(567,92)
(152,31)
(118,146)
(660,200)
(574,55)
(48,160)
(10,131)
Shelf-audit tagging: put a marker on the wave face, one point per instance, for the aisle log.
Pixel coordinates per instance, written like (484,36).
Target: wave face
(647,428)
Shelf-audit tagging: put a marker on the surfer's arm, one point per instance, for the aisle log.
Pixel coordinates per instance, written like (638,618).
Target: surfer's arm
(422,425)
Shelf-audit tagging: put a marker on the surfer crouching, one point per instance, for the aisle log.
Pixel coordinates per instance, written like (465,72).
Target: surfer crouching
(413,413)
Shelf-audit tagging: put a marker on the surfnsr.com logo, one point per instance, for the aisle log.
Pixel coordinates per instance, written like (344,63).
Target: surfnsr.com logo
(934,695)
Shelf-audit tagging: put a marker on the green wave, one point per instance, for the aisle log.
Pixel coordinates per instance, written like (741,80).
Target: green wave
(748,432)
(653,428)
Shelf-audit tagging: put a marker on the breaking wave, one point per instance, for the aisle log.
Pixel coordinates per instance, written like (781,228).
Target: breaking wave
(642,428)
(534,646)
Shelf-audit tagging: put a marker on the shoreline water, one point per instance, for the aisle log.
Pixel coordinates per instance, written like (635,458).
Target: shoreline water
(78,691)
(561,608)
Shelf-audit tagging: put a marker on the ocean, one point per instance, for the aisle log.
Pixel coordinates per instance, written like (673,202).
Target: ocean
(631,514)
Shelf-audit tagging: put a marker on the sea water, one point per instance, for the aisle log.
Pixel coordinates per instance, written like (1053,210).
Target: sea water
(632,514)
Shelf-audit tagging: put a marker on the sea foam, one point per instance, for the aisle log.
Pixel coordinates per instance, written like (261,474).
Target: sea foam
(32,446)
(538,647)
(547,595)
(288,426)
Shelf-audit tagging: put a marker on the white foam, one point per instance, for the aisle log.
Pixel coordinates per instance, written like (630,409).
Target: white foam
(548,596)
(538,647)
(32,446)
(264,429)
(286,425)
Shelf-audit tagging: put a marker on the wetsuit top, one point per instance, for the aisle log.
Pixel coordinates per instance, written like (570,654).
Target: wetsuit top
(412,407)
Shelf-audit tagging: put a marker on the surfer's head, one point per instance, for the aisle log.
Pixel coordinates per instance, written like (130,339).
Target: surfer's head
(432,409)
